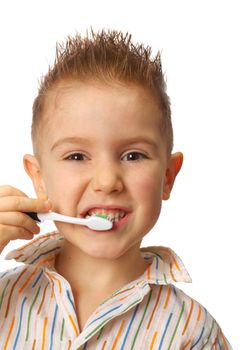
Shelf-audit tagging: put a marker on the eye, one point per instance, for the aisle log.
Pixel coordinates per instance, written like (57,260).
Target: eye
(75,156)
(135,156)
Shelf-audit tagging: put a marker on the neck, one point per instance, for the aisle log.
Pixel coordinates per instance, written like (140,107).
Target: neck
(88,275)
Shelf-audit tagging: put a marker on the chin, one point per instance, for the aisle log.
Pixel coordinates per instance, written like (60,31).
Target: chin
(108,253)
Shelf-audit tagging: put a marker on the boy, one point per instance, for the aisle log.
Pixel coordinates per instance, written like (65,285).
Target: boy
(102,141)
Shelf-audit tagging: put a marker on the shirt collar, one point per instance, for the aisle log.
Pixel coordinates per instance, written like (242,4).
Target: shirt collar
(164,266)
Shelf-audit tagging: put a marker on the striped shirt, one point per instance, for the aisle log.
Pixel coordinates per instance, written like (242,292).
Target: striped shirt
(37,310)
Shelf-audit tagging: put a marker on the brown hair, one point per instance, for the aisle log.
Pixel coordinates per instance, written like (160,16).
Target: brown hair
(106,56)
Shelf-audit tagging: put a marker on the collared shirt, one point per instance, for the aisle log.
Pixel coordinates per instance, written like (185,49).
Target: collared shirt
(37,309)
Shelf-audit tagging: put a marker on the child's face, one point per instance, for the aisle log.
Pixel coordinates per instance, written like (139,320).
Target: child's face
(103,145)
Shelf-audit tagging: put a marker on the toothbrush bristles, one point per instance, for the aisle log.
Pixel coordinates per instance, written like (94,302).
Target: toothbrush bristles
(103,216)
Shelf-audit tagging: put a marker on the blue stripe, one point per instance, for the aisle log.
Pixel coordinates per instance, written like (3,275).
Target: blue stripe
(19,328)
(45,253)
(69,298)
(156,263)
(156,267)
(38,278)
(106,313)
(165,330)
(53,327)
(220,347)
(198,339)
(4,274)
(9,271)
(200,336)
(129,327)
(174,289)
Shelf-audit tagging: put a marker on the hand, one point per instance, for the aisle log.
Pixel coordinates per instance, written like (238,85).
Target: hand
(14,224)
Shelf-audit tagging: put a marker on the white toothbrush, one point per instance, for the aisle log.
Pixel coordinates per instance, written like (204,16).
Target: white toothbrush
(94,222)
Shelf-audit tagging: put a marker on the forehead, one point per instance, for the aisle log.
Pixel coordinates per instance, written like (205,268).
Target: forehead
(73,106)
(64,93)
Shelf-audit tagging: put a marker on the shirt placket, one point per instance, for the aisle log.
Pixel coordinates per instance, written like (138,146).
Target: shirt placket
(63,296)
(110,309)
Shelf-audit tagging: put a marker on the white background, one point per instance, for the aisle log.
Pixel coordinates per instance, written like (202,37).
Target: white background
(204,57)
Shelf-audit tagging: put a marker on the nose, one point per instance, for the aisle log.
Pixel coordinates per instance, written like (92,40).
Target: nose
(107,177)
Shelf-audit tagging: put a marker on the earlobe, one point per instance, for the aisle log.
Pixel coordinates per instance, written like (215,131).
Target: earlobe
(33,170)
(172,171)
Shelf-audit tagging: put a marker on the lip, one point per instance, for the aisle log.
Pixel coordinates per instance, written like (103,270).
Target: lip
(103,206)
(121,222)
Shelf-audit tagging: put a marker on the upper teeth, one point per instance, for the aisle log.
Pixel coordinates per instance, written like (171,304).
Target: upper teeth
(112,215)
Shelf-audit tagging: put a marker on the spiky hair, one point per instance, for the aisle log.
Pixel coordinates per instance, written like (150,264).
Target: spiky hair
(107,56)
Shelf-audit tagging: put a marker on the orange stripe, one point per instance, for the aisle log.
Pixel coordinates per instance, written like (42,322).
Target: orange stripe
(11,292)
(34,344)
(104,344)
(176,263)
(199,313)
(27,280)
(214,344)
(224,341)
(36,240)
(153,312)
(185,346)
(167,298)
(44,332)
(194,328)
(56,279)
(121,299)
(188,319)
(39,309)
(44,261)
(52,285)
(109,304)
(10,331)
(153,341)
(69,344)
(73,324)
(19,256)
(118,335)
(122,291)
(171,272)
(148,271)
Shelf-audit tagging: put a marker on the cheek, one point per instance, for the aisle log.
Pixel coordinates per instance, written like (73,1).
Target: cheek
(149,200)
(63,191)
(149,191)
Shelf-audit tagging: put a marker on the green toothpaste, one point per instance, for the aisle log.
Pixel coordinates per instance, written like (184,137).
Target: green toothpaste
(103,216)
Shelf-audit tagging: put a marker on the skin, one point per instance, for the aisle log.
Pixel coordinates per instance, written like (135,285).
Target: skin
(109,171)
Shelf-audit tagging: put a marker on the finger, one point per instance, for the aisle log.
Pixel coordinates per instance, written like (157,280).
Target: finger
(20,220)
(23,204)
(7,190)
(10,233)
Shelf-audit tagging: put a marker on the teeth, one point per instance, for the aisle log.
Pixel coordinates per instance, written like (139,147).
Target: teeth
(113,217)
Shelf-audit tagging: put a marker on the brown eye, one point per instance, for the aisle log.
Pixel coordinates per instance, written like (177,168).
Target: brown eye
(75,156)
(135,156)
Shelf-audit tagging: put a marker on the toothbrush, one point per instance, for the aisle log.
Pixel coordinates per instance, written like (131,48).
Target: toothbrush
(97,223)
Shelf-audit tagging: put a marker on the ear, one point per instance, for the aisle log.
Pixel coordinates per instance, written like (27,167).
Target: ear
(175,164)
(33,170)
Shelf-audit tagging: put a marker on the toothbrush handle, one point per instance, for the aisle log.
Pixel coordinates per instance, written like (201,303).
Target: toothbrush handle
(41,217)
(34,216)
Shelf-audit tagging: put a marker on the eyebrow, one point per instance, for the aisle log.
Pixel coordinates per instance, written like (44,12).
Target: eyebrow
(73,140)
(87,142)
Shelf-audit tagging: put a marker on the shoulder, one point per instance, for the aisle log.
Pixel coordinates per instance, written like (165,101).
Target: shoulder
(11,277)
(190,322)
(13,283)
(10,274)
(8,285)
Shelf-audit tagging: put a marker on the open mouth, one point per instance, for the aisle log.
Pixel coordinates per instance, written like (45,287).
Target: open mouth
(113,215)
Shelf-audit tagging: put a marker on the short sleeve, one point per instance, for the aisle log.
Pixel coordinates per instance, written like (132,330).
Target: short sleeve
(221,342)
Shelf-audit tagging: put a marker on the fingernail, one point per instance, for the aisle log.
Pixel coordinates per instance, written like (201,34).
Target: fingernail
(36,230)
(47,203)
